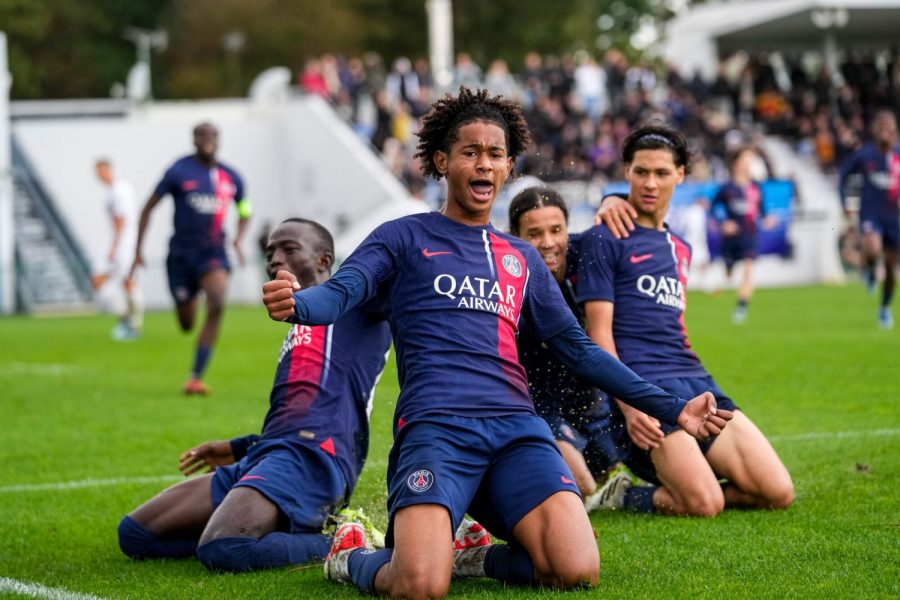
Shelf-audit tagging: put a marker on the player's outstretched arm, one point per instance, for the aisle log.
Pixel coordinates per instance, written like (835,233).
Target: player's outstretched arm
(278,295)
(617,214)
(208,455)
(321,304)
(702,419)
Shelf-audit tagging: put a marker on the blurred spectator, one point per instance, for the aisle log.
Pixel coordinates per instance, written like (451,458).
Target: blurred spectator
(500,81)
(466,72)
(402,85)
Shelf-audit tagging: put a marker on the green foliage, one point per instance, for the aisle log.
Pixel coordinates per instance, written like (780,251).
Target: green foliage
(77,406)
(76,48)
(71,48)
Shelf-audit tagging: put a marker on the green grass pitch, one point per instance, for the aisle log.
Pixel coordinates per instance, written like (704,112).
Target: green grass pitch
(809,367)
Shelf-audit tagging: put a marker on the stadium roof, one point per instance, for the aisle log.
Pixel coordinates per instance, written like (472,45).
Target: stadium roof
(724,27)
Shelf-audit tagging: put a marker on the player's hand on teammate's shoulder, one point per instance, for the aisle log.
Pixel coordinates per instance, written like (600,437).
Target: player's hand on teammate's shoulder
(701,419)
(278,295)
(617,214)
(208,455)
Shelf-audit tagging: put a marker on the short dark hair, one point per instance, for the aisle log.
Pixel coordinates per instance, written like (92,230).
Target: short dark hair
(204,125)
(102,160)
(656,135)
(441,125)
(324,237)
(532,198)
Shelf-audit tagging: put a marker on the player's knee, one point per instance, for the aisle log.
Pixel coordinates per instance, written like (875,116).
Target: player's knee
(576,571)
(414,589)
(781,495)
(420,583)
(227,554)
(705,503)
(135,540)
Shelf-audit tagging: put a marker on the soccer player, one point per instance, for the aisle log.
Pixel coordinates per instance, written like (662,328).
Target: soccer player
(466,434)
(633,292)
(202,188)
(742,203)
(266,503)
(122,210)
(578,414)
(879,213)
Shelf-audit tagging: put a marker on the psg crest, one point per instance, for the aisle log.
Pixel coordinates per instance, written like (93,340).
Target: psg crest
(420,481)
(512,265)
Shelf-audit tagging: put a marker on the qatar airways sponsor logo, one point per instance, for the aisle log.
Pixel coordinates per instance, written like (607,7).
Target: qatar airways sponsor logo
(883,180)
(206,204)
(667,290)
(298,336)
(478,293)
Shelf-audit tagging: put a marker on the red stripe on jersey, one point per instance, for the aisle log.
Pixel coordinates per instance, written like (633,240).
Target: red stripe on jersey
(511,269)
(682,256)
(224,190)
(328,447)
(753,195)
(400,423)
(894,177)
(308,363)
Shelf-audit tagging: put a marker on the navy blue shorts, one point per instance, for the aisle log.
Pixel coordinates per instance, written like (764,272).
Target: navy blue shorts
(185,269)
(590,433)
(637,459)
(887,227)
(305,483)
(498,469)
(738,247)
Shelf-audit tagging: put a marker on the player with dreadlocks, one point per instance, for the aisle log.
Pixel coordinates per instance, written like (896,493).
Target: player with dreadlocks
(466,435)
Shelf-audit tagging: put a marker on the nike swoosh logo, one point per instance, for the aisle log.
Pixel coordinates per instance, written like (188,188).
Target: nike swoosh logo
(635,259)
(565,479)
(430,254)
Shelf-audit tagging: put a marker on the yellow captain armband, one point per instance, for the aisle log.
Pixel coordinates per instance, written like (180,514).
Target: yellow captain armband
(244,208)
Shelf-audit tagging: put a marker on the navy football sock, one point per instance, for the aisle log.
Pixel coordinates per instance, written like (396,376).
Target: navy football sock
(509,564)
(887,293)
(139,543)
(276,549)
(363,566)
(201,357)
(640,499)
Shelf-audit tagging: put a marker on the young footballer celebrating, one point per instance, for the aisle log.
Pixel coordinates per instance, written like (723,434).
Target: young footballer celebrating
(633,292)
(466,434)
(578,413)
(266,503)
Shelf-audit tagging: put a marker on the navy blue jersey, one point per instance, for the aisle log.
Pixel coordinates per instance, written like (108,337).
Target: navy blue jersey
(456,294)
(553,387)
(324,383)
(742,204)
(202,195)
(880,173)
(645,276)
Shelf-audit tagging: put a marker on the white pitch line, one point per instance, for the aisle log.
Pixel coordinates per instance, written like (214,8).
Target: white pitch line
(36,590)
(39,368)
(837,435)
(86,483)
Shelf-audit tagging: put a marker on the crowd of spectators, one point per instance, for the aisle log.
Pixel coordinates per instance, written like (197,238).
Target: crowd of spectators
(580,109)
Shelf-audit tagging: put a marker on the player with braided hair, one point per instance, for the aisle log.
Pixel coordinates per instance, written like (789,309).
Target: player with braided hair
(466,435)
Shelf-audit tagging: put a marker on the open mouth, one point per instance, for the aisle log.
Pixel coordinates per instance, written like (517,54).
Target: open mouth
(482,189)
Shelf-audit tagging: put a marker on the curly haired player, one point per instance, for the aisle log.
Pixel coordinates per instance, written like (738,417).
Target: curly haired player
(467,437)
